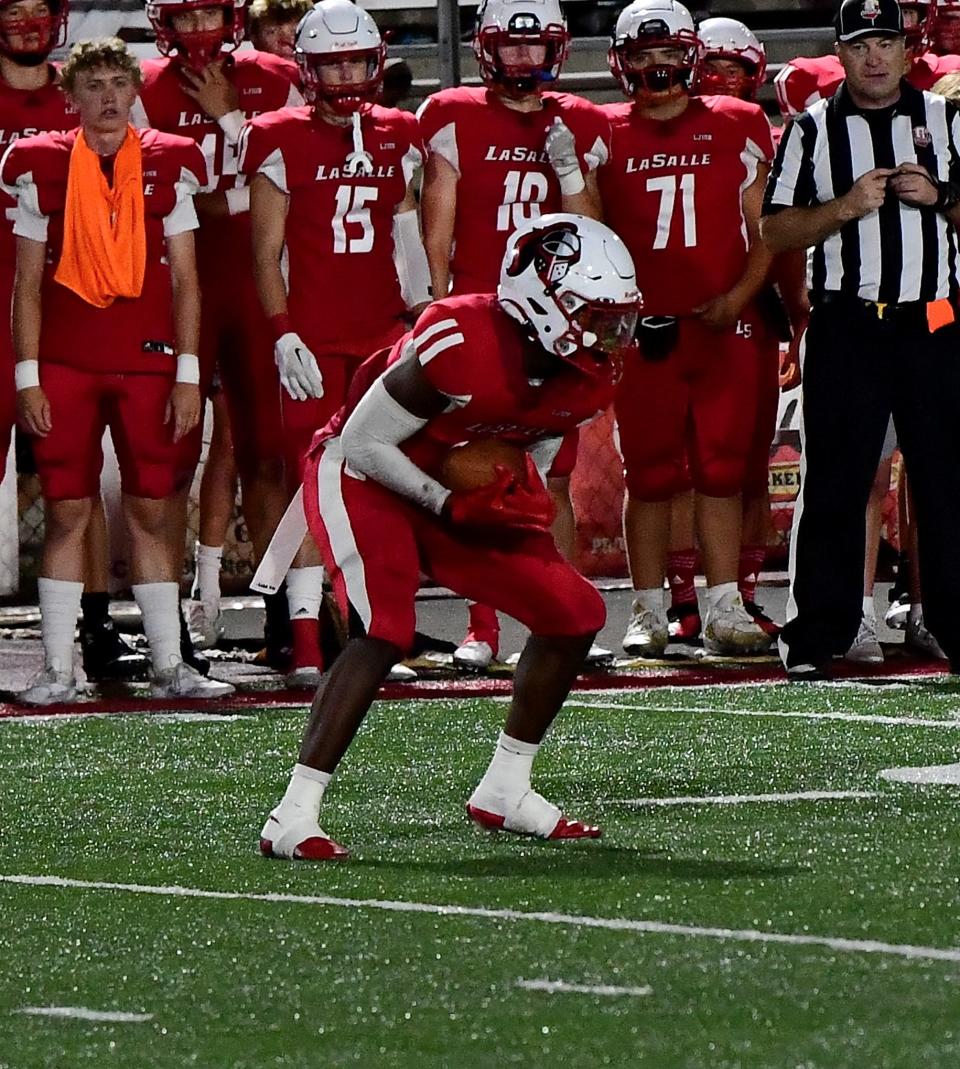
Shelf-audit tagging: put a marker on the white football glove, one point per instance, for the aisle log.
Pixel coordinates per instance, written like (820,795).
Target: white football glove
(299,374)
(561,149)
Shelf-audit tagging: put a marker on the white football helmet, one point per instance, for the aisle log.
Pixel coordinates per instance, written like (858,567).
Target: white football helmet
(646,24)
(520,22)
(920,19)
(723,38)
(28,40)
(571,282)
(196,48)
(336,30)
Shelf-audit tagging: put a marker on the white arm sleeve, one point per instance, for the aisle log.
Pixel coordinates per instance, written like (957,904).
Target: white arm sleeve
(370,440)
(410,258)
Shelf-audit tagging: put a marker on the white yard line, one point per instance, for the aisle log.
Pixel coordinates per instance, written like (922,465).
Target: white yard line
(947,774)
(561,987)
(568,920)
(740,799)
(80,1013)
(864,718)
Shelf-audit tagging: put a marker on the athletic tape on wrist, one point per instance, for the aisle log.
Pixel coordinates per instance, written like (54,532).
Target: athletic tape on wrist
(27,374)
(572,183)
(188,369)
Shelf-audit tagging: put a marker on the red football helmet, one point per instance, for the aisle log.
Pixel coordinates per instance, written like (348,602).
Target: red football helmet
(919,18)
(945,40)
(728,39)
(196,48)
(29,39)
(511,23)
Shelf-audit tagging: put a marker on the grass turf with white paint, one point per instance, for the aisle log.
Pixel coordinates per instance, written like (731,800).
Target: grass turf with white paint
(244,983)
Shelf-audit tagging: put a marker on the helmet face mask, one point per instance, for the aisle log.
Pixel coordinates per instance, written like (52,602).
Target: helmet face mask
(336,34)
(520,45)
(945,35)
(732,61)
(198,48)
(645,27)
(571,283)
(28,39)
(919,21)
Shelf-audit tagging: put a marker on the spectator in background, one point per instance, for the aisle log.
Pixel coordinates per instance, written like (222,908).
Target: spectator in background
(273,24)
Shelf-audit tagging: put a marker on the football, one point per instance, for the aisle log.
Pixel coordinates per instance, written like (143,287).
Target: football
(471,466)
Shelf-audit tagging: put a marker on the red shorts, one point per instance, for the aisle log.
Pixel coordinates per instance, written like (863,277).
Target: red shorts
(83,405)
(375,544)
(236,341)
(699,404)
(302,419)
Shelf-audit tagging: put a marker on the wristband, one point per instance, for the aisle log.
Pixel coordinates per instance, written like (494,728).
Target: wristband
(571,184)
(188,369)
(238,200)
(27,374)
(281,324)
(231,124)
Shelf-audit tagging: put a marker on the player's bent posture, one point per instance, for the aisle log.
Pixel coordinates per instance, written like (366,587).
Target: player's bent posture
(500,155)
(331,199)
(683,188)
(106,314)
(526,366)
(203,90)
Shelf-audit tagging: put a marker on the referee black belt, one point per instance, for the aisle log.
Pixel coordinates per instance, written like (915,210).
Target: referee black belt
(883,310)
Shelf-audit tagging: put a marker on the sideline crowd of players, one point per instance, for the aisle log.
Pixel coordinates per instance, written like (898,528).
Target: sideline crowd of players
(296,187)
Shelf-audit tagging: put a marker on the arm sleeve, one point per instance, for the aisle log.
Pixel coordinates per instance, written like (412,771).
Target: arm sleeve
(29,220)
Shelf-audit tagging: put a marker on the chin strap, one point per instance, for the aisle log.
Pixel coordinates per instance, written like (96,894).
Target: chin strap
(359,162)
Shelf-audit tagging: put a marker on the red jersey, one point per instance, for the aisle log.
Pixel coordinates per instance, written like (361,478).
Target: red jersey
(25,113)
(803,82)
(343,283)
(673,191)
(263,83)
(133,334)
(473,352)
(505,177)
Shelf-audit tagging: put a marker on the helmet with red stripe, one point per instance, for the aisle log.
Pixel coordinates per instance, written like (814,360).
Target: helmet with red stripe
(732,60)
(196,45)
(337,33)
(919,20)
(654,26)
(520,45)
(31,29)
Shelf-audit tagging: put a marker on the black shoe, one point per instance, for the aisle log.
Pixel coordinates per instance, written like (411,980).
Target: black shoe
(428,644)
(108,657)
(806,673)
(189,655)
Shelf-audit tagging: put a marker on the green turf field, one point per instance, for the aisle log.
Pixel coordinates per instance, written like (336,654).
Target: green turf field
(741,931)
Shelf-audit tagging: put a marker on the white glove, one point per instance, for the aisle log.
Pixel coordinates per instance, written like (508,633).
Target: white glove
(299,374)
(561,149)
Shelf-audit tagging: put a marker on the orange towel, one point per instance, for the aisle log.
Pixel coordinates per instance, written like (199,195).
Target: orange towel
(104,235)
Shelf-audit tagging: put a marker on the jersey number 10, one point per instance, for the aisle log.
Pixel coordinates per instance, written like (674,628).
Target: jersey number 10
(522,196)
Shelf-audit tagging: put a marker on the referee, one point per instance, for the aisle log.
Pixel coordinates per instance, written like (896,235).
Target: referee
(869,180)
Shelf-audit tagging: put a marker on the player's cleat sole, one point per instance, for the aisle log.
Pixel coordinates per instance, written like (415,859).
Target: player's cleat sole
(302,840)
(563,829)
(806,673)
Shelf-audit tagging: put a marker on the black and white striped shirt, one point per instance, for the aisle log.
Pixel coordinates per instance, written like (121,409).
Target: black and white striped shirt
(898,253)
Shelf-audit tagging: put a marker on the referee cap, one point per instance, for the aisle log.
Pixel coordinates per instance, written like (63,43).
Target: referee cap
(862,18)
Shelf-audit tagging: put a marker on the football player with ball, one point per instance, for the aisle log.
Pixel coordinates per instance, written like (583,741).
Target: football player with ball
(524,366)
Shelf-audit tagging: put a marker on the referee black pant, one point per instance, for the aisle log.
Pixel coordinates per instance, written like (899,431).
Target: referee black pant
(858,369)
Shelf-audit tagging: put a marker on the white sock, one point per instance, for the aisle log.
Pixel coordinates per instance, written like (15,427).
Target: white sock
(715,593)
(869,609)
(650,600)
(305,592)
(508,774)
(305,790)
(59,610)
(160,608)
(206,583)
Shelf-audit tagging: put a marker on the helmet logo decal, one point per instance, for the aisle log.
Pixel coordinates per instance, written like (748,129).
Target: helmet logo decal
(552,252)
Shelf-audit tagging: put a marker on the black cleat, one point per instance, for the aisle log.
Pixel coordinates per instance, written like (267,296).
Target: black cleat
(195,660)
(108,657)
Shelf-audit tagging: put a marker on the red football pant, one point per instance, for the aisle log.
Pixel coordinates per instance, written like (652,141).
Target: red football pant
(697,405)
(83,405)
(375,544)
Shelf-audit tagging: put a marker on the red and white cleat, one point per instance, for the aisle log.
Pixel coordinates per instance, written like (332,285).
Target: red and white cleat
(531,814)
(300,839)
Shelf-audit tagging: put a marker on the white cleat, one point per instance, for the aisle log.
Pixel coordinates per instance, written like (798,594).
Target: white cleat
(182,681)
(647,633)
(205,624)
(49,687)
(898,613)
(528,814)
(729,630)
(401,673)
(295,836)
(473,654)
(305,677)
(597,655)
(920,639)
(865,648)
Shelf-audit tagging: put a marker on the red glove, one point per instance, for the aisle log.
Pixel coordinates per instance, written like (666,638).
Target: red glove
(508,501)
